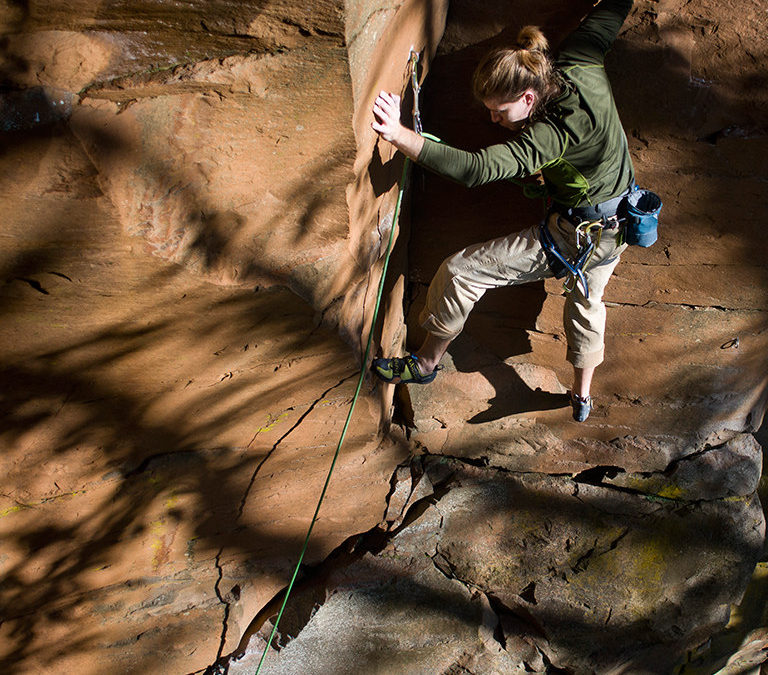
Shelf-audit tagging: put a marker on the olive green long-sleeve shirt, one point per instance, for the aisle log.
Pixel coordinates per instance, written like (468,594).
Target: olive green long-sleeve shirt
(579,145)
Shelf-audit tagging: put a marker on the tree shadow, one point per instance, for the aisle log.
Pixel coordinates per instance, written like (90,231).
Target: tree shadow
(66,399)
(564,536)
(69,400)
(137,446)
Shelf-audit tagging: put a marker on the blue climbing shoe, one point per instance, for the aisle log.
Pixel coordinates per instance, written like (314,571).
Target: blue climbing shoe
(406,369)
(581,407)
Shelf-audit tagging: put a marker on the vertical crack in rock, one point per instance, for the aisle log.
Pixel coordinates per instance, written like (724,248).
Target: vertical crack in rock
(383,224)
(220,662)
(296,425)
(222,600)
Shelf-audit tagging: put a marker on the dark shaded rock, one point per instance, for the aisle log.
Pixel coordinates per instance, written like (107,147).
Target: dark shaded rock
(396,613)
(729,470)
(33,108)
(614,574)
(587,578)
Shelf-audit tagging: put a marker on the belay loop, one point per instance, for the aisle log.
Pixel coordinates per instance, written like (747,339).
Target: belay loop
(561,266)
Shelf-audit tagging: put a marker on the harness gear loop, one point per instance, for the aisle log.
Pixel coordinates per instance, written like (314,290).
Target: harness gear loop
(387,254)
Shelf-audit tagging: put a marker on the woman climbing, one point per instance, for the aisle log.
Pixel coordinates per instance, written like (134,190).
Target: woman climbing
(565,127)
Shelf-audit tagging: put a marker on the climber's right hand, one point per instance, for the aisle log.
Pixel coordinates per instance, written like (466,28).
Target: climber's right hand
(386,113)
(386,122)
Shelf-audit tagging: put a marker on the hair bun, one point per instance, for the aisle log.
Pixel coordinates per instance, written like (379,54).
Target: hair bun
(532,39)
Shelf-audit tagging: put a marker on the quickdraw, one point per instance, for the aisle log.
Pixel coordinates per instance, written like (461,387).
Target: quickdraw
(588,236)
(416,89)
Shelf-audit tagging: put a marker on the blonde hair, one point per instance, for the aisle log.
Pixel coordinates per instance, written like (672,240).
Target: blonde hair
(506,73)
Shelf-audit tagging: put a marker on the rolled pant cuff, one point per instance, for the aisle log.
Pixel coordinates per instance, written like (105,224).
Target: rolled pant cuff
(434,327)
(585,360)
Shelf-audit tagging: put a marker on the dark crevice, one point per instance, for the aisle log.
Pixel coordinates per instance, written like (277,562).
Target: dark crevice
(529,593)
(614,544)
(445,566)
(416,472)
(403,414)
(675,463)
(583,561)
(498,630)
(34,283)
(551,668)
(480,462)
(312,30)
(59,274)
(597,474)
(223,601)
(636,493)
(312,579)
(517,620)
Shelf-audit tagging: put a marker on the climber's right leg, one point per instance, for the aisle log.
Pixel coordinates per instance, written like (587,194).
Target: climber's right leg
(460,282)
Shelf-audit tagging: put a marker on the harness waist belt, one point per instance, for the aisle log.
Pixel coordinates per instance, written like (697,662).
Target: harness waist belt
(606,209)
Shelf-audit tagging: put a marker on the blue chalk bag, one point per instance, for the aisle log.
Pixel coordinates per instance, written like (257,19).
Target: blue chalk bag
(639,214)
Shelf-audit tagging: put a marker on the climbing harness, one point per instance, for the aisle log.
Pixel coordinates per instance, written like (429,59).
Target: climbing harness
(636,215)
(573,270)
(414,58)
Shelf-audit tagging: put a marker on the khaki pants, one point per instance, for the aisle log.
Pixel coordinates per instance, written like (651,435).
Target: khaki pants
(463,278)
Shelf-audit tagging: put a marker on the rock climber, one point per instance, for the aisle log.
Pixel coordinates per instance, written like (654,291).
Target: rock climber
(564,125)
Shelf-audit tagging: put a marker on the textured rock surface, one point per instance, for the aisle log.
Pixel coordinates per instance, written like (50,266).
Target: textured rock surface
(162,388)
(580,575)
(152,428)
(195,209)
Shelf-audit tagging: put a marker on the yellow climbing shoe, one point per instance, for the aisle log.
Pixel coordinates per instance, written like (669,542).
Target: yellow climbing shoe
(406,369)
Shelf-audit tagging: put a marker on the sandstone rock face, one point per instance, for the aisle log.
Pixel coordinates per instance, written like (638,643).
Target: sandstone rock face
(196,214)
(177,262)
(518,572)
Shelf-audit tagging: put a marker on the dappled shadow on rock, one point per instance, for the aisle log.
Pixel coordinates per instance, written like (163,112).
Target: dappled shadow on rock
(519,573)
(152,424)
(677,303)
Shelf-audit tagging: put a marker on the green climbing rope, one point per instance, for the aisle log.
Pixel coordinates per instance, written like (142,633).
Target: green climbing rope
(403,178)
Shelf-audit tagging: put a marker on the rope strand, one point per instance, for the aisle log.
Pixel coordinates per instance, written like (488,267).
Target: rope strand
(403,179)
